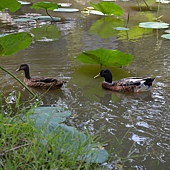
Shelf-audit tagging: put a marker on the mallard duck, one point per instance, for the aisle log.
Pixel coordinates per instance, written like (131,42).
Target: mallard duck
(45,83)
(129,84)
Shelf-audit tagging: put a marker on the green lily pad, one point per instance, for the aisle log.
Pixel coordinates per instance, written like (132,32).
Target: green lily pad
(45,5)
(121,28)
(105,57)
(66,10)
(13,43)
(46,33)
(154,25)
(166,36)
(108,8)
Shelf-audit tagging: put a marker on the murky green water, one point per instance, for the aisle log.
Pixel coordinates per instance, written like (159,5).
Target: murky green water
(137,126)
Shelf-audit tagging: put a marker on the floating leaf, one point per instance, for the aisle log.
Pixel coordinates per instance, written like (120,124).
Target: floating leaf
(14,42)
(108,8)
(45,5)
(24,2)
(64,4)
(167,31)
(46,32)
(47,18)
(66,10)
(12,5)
(121,28)
(166,36)
(23,19)
(105,57)
(154,25)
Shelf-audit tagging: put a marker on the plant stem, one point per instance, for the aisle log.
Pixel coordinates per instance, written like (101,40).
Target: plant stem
(49,14)
(12,75)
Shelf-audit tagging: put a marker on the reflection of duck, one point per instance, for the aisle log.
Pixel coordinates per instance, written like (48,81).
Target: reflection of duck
(39,82)
(130,84)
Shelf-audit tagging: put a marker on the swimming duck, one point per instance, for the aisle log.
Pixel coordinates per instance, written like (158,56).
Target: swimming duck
(45,83)
(129,84)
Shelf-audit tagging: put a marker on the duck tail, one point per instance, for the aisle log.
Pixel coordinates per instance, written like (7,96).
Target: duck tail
(149,81)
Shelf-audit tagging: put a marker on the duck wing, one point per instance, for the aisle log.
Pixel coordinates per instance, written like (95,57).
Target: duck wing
(137,81)
(44,79)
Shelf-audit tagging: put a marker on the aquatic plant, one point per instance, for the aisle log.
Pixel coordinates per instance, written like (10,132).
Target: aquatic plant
(105,57)
(12,5)
(46,6)
(108,8)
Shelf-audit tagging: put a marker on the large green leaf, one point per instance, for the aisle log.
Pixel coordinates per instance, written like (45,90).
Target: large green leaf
(105,57)
(12,5)
(14,42)
(108,8)
(45,5)
(48,120)
(77,143)
(49,115)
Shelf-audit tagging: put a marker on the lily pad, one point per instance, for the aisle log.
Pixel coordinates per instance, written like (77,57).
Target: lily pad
(167,31)
(166,36)
(105,57)
(64,4)
(154,25)
(47,18)
(66,10)
(121,28)
(13,43)
(108,8)
(24,3)
(23,19)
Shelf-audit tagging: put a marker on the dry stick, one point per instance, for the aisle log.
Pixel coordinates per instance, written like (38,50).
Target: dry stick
(12,149)
(17,80)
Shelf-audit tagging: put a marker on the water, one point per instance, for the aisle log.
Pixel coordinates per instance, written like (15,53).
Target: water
(135,126)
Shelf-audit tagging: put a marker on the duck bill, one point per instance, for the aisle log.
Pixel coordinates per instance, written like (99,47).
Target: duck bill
(98,75)
(17,69)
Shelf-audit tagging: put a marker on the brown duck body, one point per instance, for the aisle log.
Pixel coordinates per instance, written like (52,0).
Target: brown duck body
(45,83)
(130,84)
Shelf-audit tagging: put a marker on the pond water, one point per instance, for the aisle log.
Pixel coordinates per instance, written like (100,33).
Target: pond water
(135,126)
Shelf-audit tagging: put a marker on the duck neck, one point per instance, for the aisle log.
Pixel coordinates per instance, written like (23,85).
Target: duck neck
(27,74)
(108,79)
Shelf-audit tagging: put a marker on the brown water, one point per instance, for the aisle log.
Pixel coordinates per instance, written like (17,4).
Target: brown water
(137,126)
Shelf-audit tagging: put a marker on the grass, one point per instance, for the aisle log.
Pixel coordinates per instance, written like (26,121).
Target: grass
(22,146)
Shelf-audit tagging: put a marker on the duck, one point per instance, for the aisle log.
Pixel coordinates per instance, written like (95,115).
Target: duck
(45,83)
(129,84)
